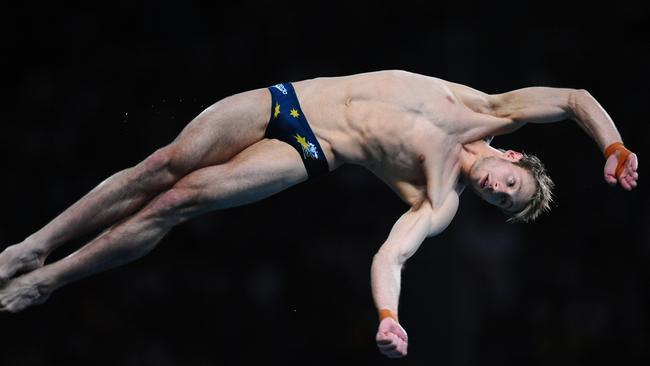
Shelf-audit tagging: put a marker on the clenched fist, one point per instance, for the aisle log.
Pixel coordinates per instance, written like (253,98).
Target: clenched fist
(391,338)
(621,167)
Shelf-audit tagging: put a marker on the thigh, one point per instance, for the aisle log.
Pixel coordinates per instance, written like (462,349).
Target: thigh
(222,130)
(261,170)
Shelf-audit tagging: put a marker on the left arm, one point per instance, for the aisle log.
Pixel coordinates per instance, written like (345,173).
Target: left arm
(404,239)
(546,105)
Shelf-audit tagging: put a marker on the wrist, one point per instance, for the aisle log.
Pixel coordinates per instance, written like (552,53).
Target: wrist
(387,313)
(623,153)
(612,148)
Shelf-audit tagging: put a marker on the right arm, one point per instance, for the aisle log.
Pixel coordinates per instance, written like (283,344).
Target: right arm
(546,105)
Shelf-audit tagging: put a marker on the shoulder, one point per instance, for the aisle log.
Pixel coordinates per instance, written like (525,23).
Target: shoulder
(474,99)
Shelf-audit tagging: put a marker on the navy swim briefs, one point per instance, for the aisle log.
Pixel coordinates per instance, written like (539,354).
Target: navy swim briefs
(290,125)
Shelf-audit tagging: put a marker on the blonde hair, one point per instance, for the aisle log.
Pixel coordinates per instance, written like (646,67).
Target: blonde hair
(541,200)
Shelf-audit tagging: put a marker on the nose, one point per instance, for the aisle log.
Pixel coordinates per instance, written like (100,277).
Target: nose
(495,186)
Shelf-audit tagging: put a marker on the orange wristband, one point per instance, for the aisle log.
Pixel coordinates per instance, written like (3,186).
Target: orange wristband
(623,154)
(387,313)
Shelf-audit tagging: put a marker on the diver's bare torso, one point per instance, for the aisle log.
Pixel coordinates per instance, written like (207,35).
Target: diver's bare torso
(391,122)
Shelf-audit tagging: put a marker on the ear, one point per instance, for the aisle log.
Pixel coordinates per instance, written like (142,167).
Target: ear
(513,155)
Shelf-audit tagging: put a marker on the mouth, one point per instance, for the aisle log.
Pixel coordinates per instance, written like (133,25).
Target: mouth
(484,182)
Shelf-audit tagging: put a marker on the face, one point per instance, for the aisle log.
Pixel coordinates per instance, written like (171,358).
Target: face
(502,183)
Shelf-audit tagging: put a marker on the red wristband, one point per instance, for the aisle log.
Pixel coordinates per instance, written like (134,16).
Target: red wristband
(622,156)
(387,313)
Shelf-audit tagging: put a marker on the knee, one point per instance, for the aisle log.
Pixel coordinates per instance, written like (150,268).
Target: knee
(160,160)
(161,166)
(174,206)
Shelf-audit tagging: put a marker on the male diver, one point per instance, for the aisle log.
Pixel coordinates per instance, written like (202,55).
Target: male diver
(424,137)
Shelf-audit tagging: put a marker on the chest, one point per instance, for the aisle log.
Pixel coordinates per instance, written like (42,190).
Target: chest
(426,164)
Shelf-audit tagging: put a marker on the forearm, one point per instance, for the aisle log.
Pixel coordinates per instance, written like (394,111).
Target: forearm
(391,337)
(385,279)
(593,119)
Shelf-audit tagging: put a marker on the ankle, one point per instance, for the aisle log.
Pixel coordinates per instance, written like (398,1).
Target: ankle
(35,248)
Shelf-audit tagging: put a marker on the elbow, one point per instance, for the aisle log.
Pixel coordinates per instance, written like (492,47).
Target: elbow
(577,97)
(581,92)
(390,257)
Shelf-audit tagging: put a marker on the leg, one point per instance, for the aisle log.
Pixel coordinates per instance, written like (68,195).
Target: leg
(213,137)
(263,169)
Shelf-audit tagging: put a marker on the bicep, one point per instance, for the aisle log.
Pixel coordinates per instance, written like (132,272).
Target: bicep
(407,233)
(417,224)
(533,105)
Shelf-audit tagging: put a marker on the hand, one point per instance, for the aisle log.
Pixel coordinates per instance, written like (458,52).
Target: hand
(391,338)
(628,176)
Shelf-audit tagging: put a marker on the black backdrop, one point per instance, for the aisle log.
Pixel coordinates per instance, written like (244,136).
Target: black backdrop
(92,90)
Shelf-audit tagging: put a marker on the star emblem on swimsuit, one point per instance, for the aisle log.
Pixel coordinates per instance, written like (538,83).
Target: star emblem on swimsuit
(276,111)
(294,113)
(308,149)
(302,141)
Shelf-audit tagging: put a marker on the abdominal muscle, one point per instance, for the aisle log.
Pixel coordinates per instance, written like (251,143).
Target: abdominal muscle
(384,122)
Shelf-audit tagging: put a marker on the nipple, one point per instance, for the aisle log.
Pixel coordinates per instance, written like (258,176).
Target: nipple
(421,158)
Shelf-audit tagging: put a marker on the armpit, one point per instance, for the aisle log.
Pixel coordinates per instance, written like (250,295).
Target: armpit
(411,194)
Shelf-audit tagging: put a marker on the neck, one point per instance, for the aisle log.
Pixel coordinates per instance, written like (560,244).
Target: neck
(473,152)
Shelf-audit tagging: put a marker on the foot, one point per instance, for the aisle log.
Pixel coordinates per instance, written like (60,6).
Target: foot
(22,292)
(18,259)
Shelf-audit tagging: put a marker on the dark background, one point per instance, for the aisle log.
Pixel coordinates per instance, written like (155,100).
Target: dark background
(92,90)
